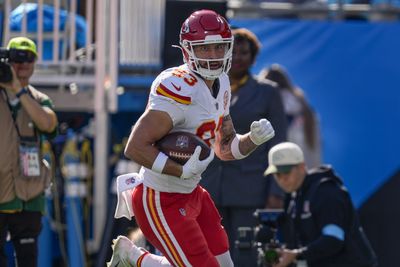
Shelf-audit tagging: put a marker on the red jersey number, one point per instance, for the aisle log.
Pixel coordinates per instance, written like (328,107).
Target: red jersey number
(188,78)
(208,129)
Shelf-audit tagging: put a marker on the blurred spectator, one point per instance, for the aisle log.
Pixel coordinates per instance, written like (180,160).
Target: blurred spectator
(238,187)
(303,128)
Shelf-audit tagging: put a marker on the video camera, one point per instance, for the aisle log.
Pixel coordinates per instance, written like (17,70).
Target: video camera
(263,238)
(12,55)
(266,235)
(5,68)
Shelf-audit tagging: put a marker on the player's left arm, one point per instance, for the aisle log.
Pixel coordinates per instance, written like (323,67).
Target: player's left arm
(230,146)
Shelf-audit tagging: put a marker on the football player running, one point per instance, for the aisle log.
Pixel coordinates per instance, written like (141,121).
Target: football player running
(175,214)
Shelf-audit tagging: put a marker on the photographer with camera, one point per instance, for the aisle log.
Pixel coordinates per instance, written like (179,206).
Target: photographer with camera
(321,225)
(25,114)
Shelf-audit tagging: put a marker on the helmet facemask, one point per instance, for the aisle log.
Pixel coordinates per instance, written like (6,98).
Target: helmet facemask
(206,67)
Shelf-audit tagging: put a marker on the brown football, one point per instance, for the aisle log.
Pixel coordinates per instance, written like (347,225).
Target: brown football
(179,146)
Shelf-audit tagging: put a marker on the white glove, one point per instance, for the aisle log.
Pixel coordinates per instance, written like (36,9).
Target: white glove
(261,131)
(194,167)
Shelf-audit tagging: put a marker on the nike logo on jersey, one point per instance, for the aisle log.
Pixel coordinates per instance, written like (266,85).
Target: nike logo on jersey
(178,88)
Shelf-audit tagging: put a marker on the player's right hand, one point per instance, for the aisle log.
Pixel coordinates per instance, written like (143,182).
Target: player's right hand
(194,167)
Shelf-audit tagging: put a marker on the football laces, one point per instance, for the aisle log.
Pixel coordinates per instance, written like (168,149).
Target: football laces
(179,155)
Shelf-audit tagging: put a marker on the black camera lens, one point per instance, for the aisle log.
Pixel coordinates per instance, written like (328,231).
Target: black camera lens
(263,234)
(5,72)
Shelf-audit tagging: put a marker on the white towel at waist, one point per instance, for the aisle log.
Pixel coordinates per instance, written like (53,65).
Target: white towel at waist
(125,184)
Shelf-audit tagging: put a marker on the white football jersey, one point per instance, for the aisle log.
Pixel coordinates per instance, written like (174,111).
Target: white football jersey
(192,108)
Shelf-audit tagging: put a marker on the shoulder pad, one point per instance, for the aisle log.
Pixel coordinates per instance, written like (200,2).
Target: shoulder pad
(178,85)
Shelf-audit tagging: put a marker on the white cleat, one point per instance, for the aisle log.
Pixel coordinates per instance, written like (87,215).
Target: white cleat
(123,252)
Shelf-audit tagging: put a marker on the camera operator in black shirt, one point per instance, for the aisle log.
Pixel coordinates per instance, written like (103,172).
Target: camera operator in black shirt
(321,225)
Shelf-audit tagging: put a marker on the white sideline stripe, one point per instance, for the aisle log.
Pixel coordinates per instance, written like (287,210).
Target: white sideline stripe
(153,227)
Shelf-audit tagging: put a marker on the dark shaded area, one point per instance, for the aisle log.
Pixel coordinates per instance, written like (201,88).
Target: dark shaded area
(380,218)
(176,12)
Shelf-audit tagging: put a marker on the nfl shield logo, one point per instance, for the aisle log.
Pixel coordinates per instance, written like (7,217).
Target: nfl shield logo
(182,211)
(182,141)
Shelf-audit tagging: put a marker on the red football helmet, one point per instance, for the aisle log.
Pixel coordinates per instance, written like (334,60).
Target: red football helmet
(206,27)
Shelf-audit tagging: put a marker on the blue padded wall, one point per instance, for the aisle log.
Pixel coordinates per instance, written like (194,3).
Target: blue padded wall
(350,71)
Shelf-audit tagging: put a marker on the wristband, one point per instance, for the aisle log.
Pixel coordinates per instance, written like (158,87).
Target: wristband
(159,162)
(21,92)
(235,149)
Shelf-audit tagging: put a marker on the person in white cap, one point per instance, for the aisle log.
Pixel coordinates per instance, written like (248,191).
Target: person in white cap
(321,225)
